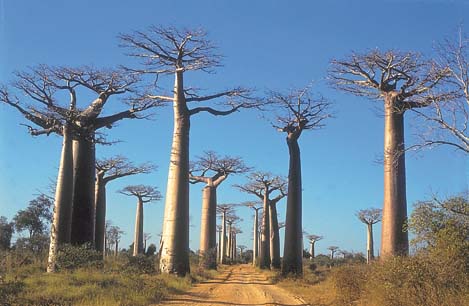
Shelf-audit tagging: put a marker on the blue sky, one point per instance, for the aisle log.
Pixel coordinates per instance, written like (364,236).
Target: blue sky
(267,45)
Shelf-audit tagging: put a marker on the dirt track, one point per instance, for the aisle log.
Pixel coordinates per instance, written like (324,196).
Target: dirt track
(237,285)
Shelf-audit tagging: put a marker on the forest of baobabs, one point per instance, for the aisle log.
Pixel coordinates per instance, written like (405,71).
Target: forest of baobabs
(234,153)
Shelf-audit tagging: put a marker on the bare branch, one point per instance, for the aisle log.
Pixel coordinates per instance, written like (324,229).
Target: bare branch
(144,193)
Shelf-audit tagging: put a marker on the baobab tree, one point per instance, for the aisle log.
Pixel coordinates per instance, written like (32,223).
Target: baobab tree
(212,170)
(224,210)
(446,119)
(332,250)
(369,217)
(263,185)
(107,170)
(219,231)
(113,237)
(144,194)
(298,111)
(404,81)
(256,206)
(312,241)
(166,51)
(234,233)
(231,219)
(146,237)
(44,86)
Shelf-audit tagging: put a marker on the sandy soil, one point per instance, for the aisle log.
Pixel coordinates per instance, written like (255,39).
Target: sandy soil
(236,285)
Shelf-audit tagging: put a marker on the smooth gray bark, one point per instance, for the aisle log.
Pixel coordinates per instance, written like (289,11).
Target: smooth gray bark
(208,227)
(83,215)
(255,247)
(293,246)
(394,237)
(369,244)
(100,209)
(175,252)
(61,224)
(138,234)
(264,255)
(274,237)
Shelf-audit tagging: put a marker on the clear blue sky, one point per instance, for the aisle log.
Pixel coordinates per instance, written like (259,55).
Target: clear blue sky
(266,44)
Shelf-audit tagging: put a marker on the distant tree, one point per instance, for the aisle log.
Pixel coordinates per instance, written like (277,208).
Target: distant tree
(256,206)
(212,170)
(369,217)
(312,241)
(332,250)
(146,237)
(151,250)
(264,185)
(115,235)
(165,51)
(6,232)
(108,170)
(403,81)
(144,194)
(297,111)
(224,210)
(36,218)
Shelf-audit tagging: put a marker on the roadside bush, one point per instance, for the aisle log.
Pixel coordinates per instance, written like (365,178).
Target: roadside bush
(349,282)
(74,257)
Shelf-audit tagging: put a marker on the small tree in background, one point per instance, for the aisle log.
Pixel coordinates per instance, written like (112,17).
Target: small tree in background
(144,194)
(369,217)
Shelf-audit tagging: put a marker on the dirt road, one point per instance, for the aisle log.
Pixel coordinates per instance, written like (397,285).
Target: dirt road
(236,285)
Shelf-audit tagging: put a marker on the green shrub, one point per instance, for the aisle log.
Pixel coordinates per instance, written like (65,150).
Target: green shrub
(74,257)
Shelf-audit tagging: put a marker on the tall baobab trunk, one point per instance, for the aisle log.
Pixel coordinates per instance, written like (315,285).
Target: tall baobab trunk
(311,249)
(219,246)
(61,227)
(100,209)
(394,239)
(116,250)
(175,252)
(233,247)
(369,244)
(255,247)
(230,240)
(223,240)
(208,227)
(264,256)
(83,216)
(138,235)
(293,246)
(274,238)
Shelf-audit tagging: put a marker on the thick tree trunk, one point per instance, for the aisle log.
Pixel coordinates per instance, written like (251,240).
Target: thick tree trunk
(255,247)
(274,238)
(208,228)
(394,238)
(369,244)
(219,246)
(175,252)
(230,241)
(61,226)
(311,250)
(100,209)
(264,256)
(138,235)
(83,216)
(293,246)
(116,250)
(223,241)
